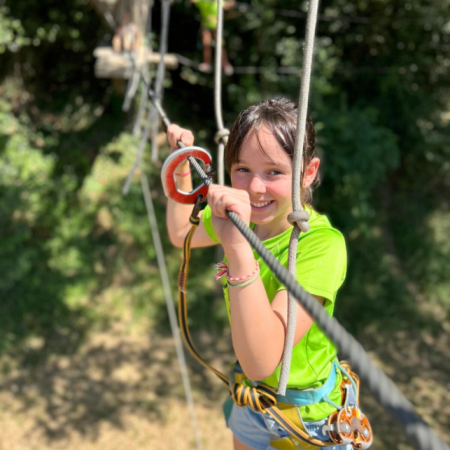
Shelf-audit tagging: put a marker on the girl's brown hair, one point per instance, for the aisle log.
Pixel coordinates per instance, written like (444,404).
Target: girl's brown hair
(280,117)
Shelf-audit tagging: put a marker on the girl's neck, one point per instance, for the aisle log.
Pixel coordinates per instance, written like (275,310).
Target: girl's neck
(269,230)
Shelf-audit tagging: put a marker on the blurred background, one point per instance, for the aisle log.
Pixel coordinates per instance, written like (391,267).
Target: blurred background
(86,355)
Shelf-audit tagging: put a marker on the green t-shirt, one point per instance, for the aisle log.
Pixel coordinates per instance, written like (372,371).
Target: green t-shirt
(208,11)
(321,269)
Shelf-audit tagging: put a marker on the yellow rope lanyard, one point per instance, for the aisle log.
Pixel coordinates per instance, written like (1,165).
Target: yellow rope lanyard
(260,398)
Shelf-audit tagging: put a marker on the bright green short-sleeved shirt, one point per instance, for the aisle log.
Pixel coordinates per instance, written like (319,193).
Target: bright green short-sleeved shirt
(321,269)
(208,11)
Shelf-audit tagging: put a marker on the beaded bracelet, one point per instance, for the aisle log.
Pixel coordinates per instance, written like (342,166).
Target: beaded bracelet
(222,269)
(246,283)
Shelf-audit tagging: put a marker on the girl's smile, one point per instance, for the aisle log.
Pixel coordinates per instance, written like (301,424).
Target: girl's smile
(264,170)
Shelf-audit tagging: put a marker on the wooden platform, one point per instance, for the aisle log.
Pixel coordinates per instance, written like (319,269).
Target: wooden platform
(110,64)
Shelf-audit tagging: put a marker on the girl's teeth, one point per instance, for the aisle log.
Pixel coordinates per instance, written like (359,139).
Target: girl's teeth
(259,205)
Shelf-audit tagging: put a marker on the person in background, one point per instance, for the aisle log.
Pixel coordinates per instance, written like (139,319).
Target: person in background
(208,11)
(127,37)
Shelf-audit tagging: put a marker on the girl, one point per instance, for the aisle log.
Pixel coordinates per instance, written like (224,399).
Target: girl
(259,160)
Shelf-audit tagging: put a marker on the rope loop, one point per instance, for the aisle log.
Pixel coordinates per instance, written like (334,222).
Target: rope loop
(299,218)
(222,135)
(258,398)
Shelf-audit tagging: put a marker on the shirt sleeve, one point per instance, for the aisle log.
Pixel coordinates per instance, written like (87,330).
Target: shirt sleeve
(207,223)
(321,263)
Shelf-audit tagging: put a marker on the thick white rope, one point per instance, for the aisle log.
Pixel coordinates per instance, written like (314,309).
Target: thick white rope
(144,97)
(170,306)
(159,80)
(222,133)
(299,217)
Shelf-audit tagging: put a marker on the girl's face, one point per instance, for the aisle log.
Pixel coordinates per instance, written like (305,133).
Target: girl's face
(267,177)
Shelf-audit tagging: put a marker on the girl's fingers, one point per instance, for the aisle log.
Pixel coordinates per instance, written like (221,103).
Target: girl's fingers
(176,133)
(222,199)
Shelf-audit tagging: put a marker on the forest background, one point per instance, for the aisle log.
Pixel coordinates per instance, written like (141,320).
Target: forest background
(86,356)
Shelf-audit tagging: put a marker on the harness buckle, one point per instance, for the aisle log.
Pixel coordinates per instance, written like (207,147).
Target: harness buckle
(168,175)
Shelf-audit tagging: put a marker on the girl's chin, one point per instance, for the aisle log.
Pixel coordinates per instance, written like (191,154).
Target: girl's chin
(258,220)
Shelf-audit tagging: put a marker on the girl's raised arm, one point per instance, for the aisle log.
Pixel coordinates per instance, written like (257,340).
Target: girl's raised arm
(177,214)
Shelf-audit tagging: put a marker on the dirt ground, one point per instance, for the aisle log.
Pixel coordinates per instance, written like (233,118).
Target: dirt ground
(122,391)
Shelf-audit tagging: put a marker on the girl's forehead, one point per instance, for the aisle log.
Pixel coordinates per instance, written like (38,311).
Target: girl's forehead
(262,146)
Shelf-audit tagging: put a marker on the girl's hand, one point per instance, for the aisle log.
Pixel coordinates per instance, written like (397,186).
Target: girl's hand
(176,133)
(222,199)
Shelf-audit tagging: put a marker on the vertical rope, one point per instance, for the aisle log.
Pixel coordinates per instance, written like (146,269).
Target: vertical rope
(144,97)
(165,17)
(170,307)
(298,219)
(222,134)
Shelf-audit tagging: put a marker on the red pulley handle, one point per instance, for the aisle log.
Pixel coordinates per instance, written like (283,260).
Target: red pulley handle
(168,174)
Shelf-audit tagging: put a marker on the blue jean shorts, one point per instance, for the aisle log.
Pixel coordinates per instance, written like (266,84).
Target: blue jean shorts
(257,430)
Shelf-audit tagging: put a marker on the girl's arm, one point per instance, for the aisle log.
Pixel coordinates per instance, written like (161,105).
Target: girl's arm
(258,327)
(177,214)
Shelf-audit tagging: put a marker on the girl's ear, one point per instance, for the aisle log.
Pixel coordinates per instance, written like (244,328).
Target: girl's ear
(311,172)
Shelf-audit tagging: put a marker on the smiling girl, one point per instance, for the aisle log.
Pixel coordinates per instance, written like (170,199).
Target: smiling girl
(259,160)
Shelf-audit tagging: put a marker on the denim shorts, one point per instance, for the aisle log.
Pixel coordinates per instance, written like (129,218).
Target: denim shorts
(257,430)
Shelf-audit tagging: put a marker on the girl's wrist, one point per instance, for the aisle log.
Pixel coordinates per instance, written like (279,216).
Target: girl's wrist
(241,260)
(238,251)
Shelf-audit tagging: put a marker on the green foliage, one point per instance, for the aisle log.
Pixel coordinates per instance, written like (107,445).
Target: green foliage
(75,253)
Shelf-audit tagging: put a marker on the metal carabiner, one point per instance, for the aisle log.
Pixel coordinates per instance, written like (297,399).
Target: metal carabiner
(168,175)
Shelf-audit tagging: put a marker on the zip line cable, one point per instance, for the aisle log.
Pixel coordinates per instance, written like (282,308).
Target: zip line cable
(298,218)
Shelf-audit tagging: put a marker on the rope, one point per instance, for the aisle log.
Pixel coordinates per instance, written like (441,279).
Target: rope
(133,84)
(144,98)
(169,302)
(298,218)
(296,71)
(221,137)
(380,385)
(150,119)
(165,17)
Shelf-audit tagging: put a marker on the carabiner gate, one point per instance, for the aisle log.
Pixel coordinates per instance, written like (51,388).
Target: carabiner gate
(168,175)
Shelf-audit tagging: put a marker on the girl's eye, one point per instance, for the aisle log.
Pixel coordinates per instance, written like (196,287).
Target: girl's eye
(275,172)
(241,169)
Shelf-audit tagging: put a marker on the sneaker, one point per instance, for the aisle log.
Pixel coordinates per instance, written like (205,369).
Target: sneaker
(228,69)
(204,67)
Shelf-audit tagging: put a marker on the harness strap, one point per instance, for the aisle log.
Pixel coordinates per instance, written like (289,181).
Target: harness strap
(261,398)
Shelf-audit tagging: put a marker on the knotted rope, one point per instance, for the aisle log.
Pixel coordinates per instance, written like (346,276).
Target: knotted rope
(222,136)
(298,218)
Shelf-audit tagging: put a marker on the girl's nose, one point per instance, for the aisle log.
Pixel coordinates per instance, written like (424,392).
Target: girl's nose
(257,185)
